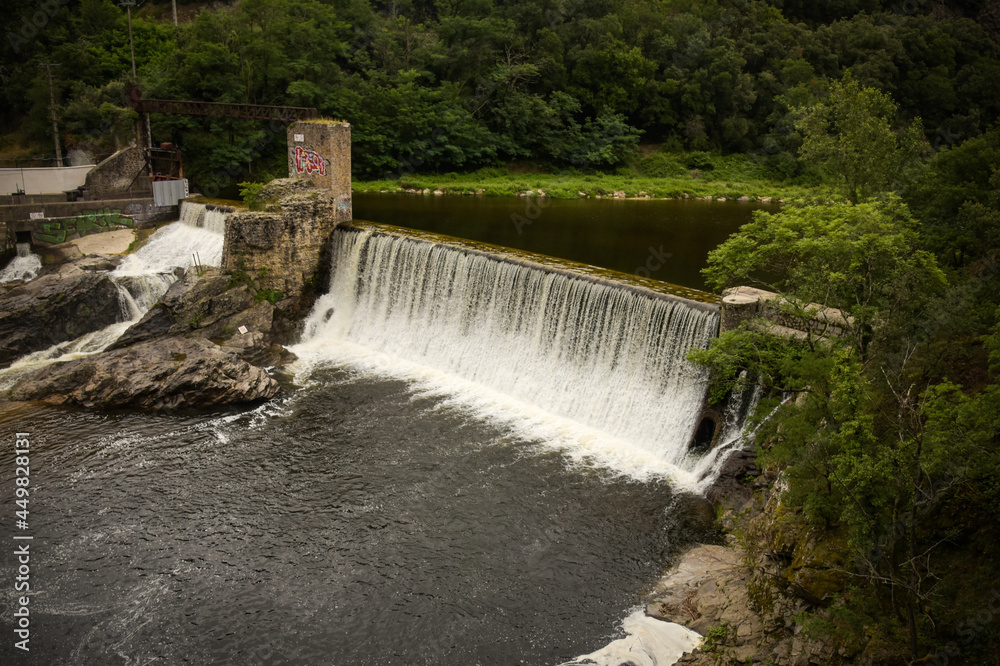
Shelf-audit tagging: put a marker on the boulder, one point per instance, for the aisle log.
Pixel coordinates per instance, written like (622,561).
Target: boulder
(55,308)
(213,308)
(160,374)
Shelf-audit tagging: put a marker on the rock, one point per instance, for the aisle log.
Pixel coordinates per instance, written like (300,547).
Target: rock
(721,199)
(744,198)
(426,190)
(55,308)
(479,192)
(620,194)
(764,199)
(160,374)
(438,192)
(211,307)
(581,194)
(99,262)
(731,488)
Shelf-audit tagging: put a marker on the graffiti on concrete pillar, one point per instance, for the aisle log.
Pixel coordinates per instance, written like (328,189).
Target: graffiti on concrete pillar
(309,161)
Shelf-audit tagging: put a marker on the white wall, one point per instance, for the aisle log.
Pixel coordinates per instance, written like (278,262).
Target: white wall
(44,180)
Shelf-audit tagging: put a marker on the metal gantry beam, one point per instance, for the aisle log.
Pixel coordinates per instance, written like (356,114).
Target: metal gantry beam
(220,109)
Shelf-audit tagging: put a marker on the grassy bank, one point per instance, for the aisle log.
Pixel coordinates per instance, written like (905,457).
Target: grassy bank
(657,176)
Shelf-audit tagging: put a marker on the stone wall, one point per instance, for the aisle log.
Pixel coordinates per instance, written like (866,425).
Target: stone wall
(741,304)
(115,174)
(290,239)
(61,229)
(59,222)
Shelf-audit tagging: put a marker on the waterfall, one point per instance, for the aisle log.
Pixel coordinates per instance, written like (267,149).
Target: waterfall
(601,365)
(142,279)
(24,266)
(144,276)
(205,216)
(200,230)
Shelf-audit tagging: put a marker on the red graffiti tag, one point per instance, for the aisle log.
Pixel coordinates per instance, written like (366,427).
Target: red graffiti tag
(309,161)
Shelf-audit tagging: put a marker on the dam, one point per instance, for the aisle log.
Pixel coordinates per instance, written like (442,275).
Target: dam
(482,455)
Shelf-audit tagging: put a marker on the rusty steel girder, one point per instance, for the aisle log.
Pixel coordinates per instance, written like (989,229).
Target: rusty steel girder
(219,109)
(226,110)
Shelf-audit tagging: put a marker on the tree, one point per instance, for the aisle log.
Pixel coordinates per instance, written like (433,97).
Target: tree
(852,134)
(865,260)
(855,446)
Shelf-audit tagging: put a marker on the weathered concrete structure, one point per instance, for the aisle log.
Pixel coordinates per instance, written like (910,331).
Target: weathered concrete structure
(740,304)
(284,246)
(320,151)
(118,173)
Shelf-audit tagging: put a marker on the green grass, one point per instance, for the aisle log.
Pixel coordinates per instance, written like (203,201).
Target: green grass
(657,176)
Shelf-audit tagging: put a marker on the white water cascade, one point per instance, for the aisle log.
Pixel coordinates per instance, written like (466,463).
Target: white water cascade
(595,368)
(142,279)
(24,266)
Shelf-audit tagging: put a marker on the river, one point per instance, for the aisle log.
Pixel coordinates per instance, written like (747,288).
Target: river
(359,519)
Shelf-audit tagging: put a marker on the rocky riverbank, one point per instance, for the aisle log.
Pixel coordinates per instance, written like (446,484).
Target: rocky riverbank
(750,598)
(59,305)
(206,343)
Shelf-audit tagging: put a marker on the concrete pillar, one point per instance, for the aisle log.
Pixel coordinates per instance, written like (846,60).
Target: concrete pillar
(740,304)
(320,151)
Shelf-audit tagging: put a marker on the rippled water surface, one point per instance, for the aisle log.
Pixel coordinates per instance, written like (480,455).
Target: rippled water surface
(349,523)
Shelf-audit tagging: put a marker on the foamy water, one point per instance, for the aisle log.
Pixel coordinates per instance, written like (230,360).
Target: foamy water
(24,266)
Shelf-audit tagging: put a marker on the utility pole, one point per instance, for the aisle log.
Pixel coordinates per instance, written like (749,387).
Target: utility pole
(128,4)
(174,3)
(52,109)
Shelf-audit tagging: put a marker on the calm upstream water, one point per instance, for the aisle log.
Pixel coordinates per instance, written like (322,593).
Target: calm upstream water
(382,511)
(624,235)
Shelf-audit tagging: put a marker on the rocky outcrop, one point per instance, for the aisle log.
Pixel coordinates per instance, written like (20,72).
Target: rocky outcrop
(159,374)
(747,597)
(712,591)
(54,308)
(214,307)
(286,245)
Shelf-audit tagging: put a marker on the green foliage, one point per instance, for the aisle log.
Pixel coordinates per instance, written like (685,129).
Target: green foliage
(864,260)
(851,133)
(435,88)
(716,636)
(251,194)
(272,296)
(871,439)
(958,199)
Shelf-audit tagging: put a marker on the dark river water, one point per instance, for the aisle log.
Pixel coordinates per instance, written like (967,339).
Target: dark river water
(348,524)
(666,240)
(355,520)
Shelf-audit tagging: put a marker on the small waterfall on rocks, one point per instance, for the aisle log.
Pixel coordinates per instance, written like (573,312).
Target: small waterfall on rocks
(24,266)
(142,279)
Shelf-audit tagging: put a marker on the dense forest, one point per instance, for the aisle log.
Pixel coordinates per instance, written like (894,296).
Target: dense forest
(459,85)
(887,438)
